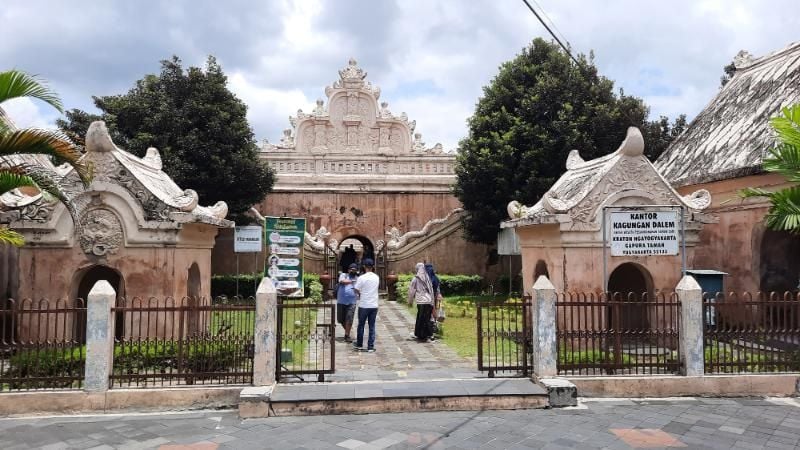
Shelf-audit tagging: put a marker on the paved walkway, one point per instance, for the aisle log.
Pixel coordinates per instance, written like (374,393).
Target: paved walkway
(397,356)
(619,424)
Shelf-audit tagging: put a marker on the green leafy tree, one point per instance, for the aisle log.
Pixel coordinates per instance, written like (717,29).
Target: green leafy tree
(729,70)
(540,106)
(784,211)
(198,125)
(19,148)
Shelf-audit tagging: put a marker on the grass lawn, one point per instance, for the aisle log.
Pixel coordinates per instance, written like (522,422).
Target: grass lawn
(459,330)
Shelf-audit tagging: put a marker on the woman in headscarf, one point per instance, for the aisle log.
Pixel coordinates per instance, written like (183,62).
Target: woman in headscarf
(421,292)
(437,294)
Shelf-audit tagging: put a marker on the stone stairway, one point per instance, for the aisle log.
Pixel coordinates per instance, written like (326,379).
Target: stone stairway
(370,397)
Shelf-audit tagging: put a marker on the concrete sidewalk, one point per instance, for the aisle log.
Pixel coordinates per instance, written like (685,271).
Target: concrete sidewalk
(397,356)
(612,424)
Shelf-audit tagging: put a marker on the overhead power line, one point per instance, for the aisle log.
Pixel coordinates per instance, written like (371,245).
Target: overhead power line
(566,49)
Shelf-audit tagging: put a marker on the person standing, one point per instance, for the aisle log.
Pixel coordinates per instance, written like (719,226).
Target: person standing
(423,294)
(366,288)
(346,299)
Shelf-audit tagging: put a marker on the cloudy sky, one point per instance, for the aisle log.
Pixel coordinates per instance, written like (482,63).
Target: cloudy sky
(430,57)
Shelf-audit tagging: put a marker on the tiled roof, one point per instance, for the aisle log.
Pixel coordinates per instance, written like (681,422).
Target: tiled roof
(731,135)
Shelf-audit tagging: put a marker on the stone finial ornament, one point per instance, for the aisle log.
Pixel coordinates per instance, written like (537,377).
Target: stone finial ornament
(352,72)
(98,139)
(574,159)
(633,145)
(153,158)
(517,210)
(743,59)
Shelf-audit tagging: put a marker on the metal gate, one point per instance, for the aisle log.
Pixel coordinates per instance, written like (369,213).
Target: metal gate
(331,266)
(306,333)
(504,337)
(382,267)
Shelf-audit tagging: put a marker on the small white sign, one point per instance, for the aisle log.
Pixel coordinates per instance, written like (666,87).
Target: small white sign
(644,233)
(247,239)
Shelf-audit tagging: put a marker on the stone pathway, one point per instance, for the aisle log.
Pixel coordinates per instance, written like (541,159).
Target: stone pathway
(693,423)
(397,357)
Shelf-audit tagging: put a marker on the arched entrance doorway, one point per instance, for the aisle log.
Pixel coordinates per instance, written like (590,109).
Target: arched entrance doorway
(354,248)
(779,262)
(632,284)
(779,272)
(83,282)
(193,290)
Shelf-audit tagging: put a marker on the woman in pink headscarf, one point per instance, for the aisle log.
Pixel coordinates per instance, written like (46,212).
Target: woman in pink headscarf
(421,292)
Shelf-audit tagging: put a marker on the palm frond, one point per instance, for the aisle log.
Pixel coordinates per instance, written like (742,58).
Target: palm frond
(754,192)
(11,237)
(15,84)
(784,159)
(784,214)
(45,142)
(787,125)
(12,178)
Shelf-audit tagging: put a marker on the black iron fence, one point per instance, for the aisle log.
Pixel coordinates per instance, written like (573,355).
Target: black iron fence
(188,341)
(751,332)
(306,333)
(504,337)
(616,334)
(42,344)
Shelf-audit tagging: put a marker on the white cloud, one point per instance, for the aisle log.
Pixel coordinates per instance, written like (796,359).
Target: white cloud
(27,114)
(430,57)
(268,109)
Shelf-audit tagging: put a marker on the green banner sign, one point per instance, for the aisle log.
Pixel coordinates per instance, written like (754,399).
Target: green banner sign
(284,264)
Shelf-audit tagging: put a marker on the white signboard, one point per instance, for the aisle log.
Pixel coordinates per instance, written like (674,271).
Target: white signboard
(644,233)
(247,239)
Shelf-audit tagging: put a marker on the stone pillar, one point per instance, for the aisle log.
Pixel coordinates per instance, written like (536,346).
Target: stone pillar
(691,330)
(99,336)
(544,328)
(264,357)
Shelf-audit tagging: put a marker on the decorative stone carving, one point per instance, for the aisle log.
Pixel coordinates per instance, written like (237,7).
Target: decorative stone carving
(187,201)
(101,232)
(317,241)
(385,113)
(319,110)
(352,119)
(218,210)
(588,185)
(287,140)
(743,59)
(418,145)
(153,158)
(574,159)
(517,210)
(40,210)
(700,199)
(396,240)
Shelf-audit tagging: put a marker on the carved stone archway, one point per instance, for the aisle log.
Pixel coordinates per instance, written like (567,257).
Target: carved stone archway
(82,283)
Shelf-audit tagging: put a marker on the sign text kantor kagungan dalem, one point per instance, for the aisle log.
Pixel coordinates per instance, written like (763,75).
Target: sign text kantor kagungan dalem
(644,233)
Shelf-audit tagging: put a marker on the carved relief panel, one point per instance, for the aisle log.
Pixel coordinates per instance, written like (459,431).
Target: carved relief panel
(101,232)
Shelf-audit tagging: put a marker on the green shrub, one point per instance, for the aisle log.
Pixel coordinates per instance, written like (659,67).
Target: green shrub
(313,287)
(43,363)
(589,357)
(450,285)
(225,285)
(501,285)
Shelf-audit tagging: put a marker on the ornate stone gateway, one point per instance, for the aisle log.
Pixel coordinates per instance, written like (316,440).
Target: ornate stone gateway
(354,168)
(133,226)
(562,234)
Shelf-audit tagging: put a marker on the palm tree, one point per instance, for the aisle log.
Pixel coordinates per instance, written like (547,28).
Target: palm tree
(784,212)
(19,165)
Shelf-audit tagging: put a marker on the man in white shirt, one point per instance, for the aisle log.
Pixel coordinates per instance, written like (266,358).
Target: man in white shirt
(366,288)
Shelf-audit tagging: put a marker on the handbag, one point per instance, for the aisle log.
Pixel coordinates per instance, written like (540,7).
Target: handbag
(440,314)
